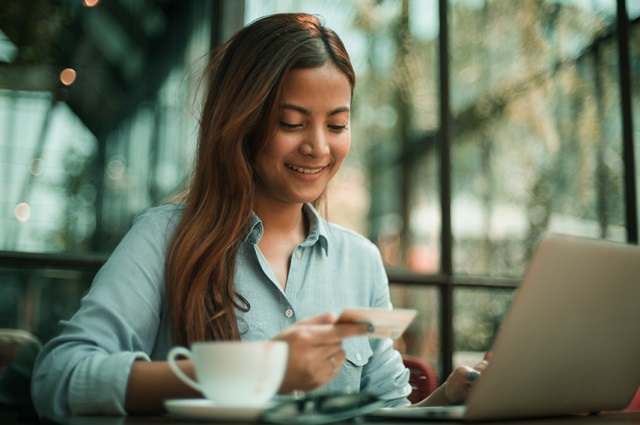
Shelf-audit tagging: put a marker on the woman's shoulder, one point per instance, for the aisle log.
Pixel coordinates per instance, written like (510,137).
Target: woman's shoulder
(350,247)
(163,217)
(340,235)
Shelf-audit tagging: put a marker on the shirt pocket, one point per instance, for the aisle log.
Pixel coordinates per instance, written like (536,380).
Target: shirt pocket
(358,352)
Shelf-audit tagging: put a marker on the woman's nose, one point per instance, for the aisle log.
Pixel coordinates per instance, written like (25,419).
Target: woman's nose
(315,143)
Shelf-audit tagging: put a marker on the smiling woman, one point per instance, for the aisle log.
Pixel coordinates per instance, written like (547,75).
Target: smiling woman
(244,255)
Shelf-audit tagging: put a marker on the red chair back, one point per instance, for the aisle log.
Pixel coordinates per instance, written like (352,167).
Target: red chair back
(635,403)
(422,378)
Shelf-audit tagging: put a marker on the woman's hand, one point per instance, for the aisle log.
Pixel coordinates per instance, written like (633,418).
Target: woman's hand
(461,380)
(315,351)
(457,386)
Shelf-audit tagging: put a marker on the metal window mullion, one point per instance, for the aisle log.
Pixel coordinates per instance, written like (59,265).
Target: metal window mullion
(446,263)
(631,208)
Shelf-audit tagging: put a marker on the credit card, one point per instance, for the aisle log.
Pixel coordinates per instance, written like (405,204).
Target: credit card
(386,323)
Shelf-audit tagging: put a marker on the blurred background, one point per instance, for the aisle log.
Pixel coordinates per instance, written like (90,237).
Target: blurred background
(478,126)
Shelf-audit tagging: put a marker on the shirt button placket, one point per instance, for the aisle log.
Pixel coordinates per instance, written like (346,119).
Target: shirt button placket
(288,313)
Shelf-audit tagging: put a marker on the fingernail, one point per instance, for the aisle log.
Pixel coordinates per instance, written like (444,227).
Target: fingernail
(371,329)
(473,375)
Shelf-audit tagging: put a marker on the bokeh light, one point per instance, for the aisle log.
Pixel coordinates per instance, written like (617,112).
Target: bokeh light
(36,166)
(116,168)
(68,76)
(23,211)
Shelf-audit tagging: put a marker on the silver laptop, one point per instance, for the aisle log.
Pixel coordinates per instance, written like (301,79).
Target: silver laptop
(570,343)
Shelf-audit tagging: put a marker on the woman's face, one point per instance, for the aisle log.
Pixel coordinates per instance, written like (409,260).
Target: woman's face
(312,136)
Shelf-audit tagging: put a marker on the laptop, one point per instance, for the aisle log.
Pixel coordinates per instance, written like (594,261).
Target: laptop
(569,344)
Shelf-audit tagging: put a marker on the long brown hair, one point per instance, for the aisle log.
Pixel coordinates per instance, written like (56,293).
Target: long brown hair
(244,84)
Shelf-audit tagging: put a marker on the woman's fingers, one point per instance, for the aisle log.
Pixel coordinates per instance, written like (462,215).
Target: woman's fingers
(481,365)
(315,351)
(311,370)
(459,383)
(477,370)
(473,375)
(336,361)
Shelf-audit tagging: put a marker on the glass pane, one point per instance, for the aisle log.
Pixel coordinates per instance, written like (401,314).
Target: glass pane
(387,188)
(422,338)
(537,148)
(35,300)
(96,117)
(47,152)
(478,315)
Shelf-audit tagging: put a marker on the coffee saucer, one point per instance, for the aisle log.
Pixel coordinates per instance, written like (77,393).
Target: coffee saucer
(202,408)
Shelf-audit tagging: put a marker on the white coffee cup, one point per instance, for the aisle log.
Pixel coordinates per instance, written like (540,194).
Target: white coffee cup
(234,373)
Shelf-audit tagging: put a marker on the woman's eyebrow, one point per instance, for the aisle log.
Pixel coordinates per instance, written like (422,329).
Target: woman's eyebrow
(307,112)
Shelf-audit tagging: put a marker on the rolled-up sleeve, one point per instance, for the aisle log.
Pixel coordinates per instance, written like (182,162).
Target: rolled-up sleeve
(385,374)
(99,381)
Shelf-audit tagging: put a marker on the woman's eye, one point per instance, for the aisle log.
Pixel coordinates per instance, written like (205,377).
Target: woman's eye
(337,127)
(290,126)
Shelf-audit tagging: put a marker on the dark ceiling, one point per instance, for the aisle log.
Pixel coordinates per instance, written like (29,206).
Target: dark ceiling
(121,51)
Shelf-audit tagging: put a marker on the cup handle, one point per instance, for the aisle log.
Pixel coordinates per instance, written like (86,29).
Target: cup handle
(171,359)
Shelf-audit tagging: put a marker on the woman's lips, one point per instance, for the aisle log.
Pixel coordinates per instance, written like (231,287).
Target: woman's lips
(305,170)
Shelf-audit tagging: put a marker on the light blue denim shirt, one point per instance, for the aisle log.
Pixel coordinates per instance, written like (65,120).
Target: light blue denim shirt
(85,369)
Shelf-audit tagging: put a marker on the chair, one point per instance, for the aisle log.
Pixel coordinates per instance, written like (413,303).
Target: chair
(11,341)
(18,352)
(635,403)
(422,378)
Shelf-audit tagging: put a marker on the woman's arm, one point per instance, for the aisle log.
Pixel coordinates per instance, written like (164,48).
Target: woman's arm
(85,369)
(150,383)
(456,388)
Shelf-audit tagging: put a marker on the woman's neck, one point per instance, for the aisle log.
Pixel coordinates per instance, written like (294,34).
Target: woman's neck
(282,219)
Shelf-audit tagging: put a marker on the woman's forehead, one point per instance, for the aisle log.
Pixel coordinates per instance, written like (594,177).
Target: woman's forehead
(303,85)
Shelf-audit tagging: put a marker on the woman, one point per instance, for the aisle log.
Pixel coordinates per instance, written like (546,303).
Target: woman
(245,255)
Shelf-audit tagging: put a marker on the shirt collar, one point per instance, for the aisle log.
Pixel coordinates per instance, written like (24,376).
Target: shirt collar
(317,229)
(255,230)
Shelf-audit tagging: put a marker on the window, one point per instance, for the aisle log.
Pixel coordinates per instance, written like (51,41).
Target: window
(478,125)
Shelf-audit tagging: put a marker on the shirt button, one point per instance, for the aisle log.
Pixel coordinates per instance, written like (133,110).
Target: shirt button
(358,357)
(288,312)
(298,252)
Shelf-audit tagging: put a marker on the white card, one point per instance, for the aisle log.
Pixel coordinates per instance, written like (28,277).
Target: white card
(386,323)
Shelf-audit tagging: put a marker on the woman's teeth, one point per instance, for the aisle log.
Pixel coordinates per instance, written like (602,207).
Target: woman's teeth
(305,170)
